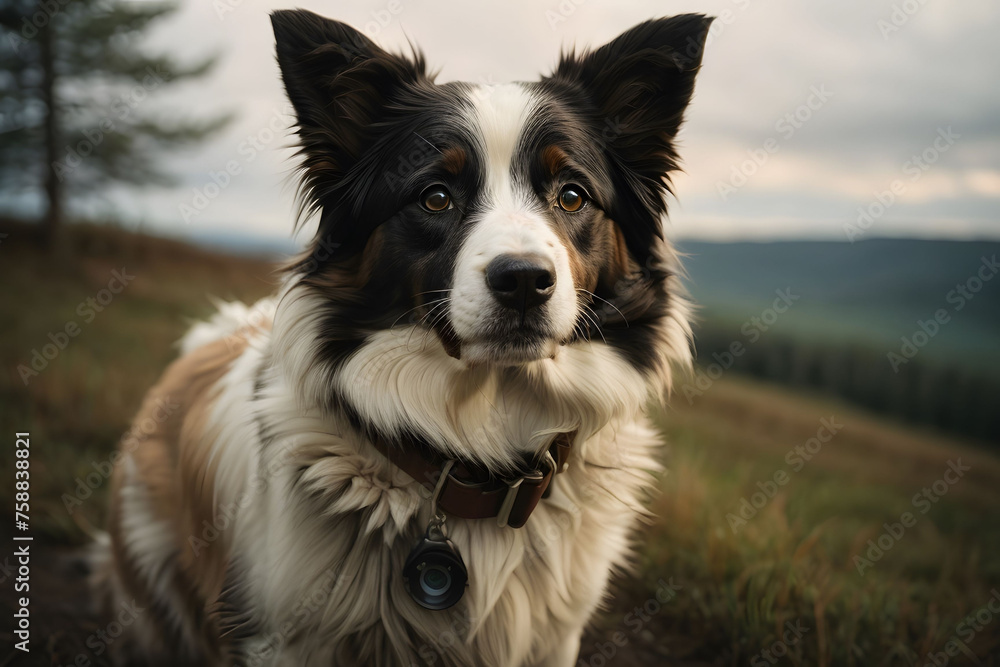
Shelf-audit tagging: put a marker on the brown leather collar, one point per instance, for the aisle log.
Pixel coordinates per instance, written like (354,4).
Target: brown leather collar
(471,491)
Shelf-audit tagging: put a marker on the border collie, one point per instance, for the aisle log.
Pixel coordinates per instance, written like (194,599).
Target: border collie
(430,446)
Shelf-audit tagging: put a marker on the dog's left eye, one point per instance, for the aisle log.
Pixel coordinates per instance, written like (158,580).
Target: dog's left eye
(571,198)
(435,199)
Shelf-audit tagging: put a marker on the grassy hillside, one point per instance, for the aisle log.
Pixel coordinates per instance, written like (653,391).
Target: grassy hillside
(793,561)
(706,589)
(81,402)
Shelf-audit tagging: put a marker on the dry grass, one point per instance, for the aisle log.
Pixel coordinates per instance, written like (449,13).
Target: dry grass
(80,405)
(794,561)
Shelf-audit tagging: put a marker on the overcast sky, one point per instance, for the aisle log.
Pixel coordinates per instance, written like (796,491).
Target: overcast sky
(803,113)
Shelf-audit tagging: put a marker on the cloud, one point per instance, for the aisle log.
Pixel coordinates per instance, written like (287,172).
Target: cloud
(891,94)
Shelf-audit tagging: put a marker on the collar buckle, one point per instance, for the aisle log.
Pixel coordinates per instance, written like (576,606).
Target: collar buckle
(535,478)
(503,516)
(457,490)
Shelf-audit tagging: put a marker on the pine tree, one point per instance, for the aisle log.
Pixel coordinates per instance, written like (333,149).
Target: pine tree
(74,113)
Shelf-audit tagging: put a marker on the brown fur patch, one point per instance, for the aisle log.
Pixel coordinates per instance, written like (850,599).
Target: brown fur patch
(554,159)
(587,267)
(584,272)
(605,263)
(621,260)
(173,463)
(453,160)
(617,264)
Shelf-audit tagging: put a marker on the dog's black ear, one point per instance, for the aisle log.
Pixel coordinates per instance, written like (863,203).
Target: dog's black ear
(338,81)
(635,90)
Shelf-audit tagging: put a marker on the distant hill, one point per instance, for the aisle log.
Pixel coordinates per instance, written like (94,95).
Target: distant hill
(869,293)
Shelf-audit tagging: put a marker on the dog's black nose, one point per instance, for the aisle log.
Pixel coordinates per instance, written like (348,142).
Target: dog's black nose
(521,282)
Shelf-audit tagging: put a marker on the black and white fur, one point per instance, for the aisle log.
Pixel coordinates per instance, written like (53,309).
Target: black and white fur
(387,325)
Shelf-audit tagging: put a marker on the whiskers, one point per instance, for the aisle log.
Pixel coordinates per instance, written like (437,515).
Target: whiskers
(588,322)
(437,310)
(594,296)
(435,314)
(590,319)
(422,305)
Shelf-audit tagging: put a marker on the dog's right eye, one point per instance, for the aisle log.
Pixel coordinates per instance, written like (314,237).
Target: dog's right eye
(435,199)
(571,198)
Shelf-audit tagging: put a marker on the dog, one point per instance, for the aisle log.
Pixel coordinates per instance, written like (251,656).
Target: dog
(430,446)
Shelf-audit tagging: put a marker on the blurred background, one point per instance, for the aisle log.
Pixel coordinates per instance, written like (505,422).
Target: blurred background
(839,214)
